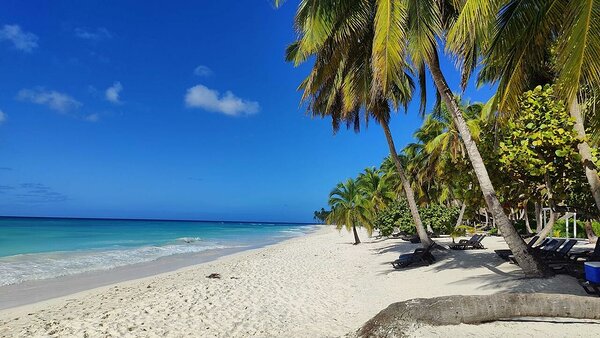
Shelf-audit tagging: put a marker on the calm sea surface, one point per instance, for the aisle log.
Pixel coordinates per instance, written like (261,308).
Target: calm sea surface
(41,248)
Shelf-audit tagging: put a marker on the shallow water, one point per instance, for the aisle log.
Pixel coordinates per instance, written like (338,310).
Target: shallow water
(42,248)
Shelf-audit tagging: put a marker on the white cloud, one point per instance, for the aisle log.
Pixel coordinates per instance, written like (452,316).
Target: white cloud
(2,117)
(60,102)
(203,71)
(97,34)
(92,117)
(21,40)
(202,97)
(112,93)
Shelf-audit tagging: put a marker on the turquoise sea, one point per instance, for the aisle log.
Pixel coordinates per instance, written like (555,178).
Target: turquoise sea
(41,248)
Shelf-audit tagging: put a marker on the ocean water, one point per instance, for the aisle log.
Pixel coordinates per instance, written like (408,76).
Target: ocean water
(41,248)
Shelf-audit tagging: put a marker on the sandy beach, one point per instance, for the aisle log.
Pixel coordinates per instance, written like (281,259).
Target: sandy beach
(318,285)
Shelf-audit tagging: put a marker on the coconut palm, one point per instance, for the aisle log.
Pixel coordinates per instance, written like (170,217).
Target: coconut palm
(533,36)
(397,33)
(341,82)
(349,208)
(375,188)
(403,32)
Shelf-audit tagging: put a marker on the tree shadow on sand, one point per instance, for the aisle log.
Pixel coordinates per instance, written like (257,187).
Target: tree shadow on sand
(498,273)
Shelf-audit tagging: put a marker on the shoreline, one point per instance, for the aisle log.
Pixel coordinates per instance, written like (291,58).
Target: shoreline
(37,291)
(316,285)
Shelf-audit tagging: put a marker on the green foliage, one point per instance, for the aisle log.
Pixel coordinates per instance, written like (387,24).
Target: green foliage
(461,231)
(559,228)
(397,215)
(442,219)
(538,155)
(540,139)
(349,208)
(321,215)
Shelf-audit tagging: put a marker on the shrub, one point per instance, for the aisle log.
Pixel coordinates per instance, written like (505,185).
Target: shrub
(559,228)
(397,215)
(394,216)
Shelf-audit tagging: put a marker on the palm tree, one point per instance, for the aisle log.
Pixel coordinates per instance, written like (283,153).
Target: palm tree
(375,188)
(349,208)
(446,154)
(558,37)
(341,83)
(426,22)
(401,32)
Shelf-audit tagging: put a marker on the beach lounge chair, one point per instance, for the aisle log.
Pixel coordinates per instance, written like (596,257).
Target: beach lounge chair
(399,234)
(473,243)
(504,253)
(587,255)
(573,263)
(561,254)
(419,256)
(551,246)
(590,288)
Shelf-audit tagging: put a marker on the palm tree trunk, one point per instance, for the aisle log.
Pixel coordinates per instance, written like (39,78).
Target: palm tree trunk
(408,191)
(356,239)
(531,265)
(400,319)
(550,225)
(589,231)
(538,216)
(526,216)
(584,150)
(461,214)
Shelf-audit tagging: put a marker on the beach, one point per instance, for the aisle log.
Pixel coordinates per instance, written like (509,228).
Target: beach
(317,285)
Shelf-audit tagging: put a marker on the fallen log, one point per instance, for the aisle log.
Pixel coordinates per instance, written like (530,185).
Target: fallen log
(402,318)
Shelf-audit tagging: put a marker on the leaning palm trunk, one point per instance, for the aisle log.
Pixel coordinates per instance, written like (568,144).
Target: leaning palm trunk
(589,231)
(550,225)
(408,191)
(584,150)
(356,239)
(538,216)
(461,214)
(532,266)
(400,319)
(526,216)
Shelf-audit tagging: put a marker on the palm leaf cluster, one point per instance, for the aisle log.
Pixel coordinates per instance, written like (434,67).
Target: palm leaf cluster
(367,56)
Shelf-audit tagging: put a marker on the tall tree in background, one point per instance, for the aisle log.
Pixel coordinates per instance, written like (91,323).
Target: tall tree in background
(403,32)
(377,191)
(532,36)
(346,80)
(349,208)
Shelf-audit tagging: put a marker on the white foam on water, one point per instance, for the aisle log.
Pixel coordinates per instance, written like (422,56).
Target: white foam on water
(19,268)
(297,231)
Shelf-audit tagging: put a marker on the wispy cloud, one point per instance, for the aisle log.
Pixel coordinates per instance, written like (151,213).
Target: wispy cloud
(112,93)
(203,71)
(92,117)
(38,193)
(97,34)
(21,40)
(2,117)
(208,99)
(54,100)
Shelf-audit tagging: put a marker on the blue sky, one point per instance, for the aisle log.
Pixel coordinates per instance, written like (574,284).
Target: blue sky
(181,109)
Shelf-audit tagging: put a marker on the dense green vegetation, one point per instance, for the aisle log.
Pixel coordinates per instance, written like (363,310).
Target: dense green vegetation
(531,146)
(532,157)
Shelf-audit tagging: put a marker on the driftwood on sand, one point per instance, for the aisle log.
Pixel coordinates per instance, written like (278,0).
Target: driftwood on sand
(399,319)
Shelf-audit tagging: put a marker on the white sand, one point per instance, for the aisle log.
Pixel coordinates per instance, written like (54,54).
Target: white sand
(314,286)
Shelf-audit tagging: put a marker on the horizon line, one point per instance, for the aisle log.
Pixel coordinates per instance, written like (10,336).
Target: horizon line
(150,219)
